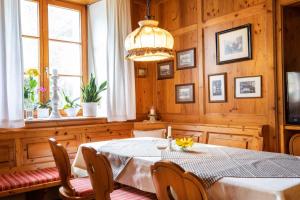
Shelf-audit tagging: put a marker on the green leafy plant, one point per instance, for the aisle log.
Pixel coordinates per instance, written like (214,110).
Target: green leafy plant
(44,105)
(30,83)
(90,92)
(70,103)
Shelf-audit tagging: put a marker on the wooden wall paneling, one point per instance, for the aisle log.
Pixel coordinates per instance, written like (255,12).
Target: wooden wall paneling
(246,68)
(229,140)
(149,126)
(272,143)
(247,137)
(108,132)
(201,59)
(145,89)
(253,111)
(218,8)
(28,148)
(7,154)
(36,150)
(193,23)
(102,136)
(173,16)
(138,12)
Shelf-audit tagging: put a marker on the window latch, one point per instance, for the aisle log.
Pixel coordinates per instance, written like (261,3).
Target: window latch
(47,71)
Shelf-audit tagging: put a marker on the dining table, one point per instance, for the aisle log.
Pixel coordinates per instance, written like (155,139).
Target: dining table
(132,158)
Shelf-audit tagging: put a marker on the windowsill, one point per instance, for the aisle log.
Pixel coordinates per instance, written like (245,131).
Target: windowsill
(64,121)
(37,120)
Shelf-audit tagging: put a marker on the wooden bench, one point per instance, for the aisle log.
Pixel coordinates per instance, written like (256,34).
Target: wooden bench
(239,136)
(26,181)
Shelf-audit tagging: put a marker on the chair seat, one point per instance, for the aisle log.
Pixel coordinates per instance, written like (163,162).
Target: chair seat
(28,178)
(127,193)
(82,186)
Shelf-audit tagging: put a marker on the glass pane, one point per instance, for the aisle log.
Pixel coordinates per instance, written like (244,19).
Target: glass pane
(65,57)
(71,87)
(64,24)
(30,53)
(29,18)
(31,91)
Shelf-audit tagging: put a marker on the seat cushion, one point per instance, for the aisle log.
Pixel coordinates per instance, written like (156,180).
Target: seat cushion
(159,133)
(82,186)
(28,178)
(126,193)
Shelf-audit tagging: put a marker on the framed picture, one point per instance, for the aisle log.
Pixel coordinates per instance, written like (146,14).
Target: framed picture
(248,87)
(185,93)
(141,72)
(217,84)
(165,70)
(234,45)
(186,59)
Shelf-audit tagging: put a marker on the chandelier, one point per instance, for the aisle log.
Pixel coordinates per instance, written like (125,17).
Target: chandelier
(149,42)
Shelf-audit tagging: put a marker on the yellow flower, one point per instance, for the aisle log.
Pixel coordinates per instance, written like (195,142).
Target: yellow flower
(32,72)
(185,142)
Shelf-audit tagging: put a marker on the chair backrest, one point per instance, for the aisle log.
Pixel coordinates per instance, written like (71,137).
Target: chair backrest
(63,165)
(100,172)
(172,182)
(294,145)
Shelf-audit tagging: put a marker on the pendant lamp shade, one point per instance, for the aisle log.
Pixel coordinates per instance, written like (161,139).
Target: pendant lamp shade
(149,42)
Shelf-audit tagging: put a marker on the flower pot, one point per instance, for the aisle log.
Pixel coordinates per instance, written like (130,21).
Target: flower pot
(71,112)
(43,112)
(89,109)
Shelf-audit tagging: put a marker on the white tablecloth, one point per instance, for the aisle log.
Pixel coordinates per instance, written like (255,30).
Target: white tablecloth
(137,174)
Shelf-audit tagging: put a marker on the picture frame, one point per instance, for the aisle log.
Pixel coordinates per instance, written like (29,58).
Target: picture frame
(165,70)
(248,87)
(186,59)
(217,88)
(185,93)
(141,72)
(234,45)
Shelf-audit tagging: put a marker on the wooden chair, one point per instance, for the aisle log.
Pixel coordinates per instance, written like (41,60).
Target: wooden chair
(172,182)
(101,176)
(294,145)
(71,189)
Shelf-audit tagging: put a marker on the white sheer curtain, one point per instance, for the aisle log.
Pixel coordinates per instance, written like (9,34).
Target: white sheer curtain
(97,47)
(11,69)
(119,72)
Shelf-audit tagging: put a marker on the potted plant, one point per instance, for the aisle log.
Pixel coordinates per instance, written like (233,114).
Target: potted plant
(91,96)
(71,107)
(30,83)
(43,109)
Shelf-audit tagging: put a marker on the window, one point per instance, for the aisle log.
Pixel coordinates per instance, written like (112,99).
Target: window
(54,37)
(30,36)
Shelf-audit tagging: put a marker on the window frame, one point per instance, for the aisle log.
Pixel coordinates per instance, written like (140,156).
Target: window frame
(44,42)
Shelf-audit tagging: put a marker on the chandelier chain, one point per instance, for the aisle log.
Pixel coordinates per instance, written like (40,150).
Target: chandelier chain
(148,16)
